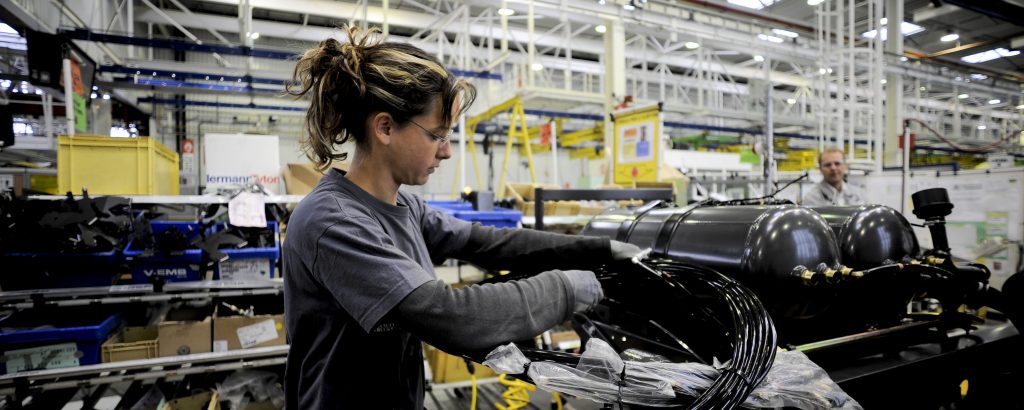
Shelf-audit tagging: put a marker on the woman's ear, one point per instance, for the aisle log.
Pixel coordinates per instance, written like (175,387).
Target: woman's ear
(382,127)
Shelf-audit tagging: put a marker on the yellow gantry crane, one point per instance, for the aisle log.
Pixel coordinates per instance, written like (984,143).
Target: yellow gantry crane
(517,131)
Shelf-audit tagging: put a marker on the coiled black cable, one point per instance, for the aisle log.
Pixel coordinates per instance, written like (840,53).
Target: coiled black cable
(751,328)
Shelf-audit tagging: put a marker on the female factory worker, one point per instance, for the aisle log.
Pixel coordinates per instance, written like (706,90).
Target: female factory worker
(360,290)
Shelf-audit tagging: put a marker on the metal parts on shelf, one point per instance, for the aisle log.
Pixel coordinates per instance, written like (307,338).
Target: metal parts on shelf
(122,294)
(147,369)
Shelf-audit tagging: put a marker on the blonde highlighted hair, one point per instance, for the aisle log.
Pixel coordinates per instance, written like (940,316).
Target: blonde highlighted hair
(347,81)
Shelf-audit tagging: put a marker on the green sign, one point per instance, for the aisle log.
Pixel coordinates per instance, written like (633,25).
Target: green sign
(81,113)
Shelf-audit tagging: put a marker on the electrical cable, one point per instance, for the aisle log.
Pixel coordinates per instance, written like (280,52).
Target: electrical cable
(749,326)
(472,401)
(755,340)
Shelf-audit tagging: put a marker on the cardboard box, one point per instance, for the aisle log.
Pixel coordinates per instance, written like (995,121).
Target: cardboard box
(242,332)
(301,178)
(131,343)
(203,401)
(185,331)
(446,368)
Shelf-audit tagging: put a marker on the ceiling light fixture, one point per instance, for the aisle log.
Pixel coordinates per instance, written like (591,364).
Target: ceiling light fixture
(505,11)
(753,4)
(1020,107)
(758,58)
(628,7)
(908,29)
(981,127)
(814,2)
(963,96)
(768,38)
(785,33)
(791,101)
(536,66)
(691,45)
(600,28)
(989,55)
(994,101)
(949,37)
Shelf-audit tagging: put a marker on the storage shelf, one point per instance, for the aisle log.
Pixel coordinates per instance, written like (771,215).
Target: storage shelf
(144,369)
(120,294)
(183,199)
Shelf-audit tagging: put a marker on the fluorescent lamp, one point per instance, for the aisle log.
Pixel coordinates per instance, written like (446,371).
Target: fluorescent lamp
(753,4)
(814,2)
(759,58)
(691,45)
(963,96)
(255,35)
(994,101)
(628,7)
(785,33)
(950,37)
(989,55)
(908,29)
(1020,107)
(791,101)
(506,11)
(600,28)
(772,39)
(6,29)
(978,76)
(981,127)
(536,66)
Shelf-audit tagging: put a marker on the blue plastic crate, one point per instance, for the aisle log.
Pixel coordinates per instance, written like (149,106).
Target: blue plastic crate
(251,260)
(499,217)
(180,266)
(37,270)
(451,205)
(25,345)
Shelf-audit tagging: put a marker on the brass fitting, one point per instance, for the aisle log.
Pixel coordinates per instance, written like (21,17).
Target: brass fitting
(807,276)
(845,271)
(830,275)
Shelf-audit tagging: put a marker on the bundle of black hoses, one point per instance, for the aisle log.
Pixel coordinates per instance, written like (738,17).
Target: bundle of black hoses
(754,337)
(752,330)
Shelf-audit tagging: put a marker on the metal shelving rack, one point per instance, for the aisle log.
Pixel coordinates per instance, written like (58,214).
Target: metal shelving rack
(140,370)
(121,294)
(183,199)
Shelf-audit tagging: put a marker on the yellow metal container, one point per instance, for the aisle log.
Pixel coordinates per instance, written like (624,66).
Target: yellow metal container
(116,166)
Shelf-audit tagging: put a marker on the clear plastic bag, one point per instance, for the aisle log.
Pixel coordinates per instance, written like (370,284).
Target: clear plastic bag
(245,386)
(602,376)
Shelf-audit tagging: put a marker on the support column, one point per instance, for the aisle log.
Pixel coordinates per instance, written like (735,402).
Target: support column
(614,82)
(130,29)
(893,84)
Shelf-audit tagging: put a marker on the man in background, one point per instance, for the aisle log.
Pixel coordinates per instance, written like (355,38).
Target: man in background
(832,190)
